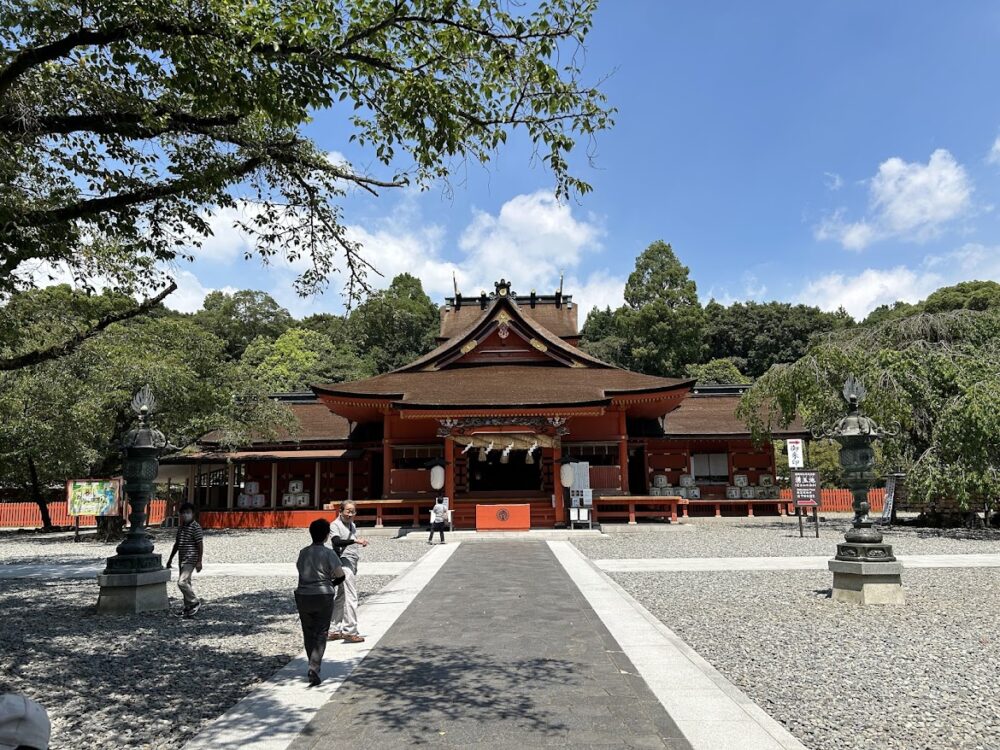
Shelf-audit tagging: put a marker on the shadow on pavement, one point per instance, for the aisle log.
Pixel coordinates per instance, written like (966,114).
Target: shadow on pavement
(399,697)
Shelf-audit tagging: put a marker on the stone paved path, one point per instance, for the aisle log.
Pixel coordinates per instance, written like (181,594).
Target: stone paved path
(499,650)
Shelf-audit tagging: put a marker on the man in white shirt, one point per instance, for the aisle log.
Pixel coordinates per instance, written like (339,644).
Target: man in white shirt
(343,536)
(439,519)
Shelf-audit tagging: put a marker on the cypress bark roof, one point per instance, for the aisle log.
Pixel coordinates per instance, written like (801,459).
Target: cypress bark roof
(497,386)
(714,415)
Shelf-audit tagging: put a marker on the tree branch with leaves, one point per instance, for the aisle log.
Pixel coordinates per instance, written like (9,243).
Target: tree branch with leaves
(127,125)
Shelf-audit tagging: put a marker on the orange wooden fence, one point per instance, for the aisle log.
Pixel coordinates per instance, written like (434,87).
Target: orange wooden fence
(28,516)
(841,500)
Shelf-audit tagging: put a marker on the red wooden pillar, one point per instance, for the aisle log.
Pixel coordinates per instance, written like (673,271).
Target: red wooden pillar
(386,456)
(557,488)
(449,471)
(623,450)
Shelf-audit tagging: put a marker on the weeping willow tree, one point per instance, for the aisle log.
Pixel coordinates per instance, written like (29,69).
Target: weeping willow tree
(938,375)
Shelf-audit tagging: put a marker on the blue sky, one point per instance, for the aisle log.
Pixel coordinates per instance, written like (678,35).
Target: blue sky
(835,153)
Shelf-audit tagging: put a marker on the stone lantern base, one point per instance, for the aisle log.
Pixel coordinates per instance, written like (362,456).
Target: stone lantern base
(129,593)
(867,582)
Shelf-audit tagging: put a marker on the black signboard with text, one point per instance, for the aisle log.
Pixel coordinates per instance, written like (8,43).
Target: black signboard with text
(806,494)
(806,489)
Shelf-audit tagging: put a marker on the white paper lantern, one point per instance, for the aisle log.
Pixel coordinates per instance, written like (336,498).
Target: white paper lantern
(566,475)
(437,477)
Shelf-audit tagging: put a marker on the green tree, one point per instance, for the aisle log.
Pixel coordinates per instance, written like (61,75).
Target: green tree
(396,325)
(968,295)
(64,418)
(937,376)
(241,317)
(298,358)
(659,277)
(599,325)
(761,334)
(717,371)
(126,126)
(659,329)
(334,327)
(894,311)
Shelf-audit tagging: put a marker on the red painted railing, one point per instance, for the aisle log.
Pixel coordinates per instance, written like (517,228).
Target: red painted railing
(28,516)
(841,500)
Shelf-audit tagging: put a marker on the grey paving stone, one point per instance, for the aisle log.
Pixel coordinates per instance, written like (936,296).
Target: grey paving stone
(499,650)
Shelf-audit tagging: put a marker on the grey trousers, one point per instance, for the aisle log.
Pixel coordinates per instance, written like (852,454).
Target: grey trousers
(345,608)
(314,613)
(186,587)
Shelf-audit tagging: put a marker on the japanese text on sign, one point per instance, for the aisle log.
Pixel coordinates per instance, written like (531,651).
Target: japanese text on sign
(796,454)
(805,489)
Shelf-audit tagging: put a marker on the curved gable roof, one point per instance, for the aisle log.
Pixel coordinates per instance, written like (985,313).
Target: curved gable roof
(490,320)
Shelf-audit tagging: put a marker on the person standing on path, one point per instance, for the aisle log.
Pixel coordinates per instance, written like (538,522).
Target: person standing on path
(320,572)
(439,517)
(345,606)
(190,546)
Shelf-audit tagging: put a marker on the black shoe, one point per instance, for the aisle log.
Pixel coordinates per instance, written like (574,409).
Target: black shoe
(314,678)
(189,613)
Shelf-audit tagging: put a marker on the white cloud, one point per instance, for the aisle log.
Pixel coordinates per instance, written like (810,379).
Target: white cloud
(860,293)
(188,296)
(190,292)
(833,181)
(227,243)
(907,200)
(600,290)
(752,288)
(529,241)
(993,157)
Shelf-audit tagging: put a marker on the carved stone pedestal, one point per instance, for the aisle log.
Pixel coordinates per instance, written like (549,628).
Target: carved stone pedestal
(867,582)
(128,593)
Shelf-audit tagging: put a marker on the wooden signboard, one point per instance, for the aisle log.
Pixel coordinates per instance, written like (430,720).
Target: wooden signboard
(806,494)
(805,489)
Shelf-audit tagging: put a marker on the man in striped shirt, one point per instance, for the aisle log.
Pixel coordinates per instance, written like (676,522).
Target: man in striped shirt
(190,547)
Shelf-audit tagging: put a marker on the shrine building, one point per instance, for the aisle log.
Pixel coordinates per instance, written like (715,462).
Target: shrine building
(492,415)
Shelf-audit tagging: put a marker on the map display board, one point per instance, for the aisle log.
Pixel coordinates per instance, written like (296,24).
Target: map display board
(93,497)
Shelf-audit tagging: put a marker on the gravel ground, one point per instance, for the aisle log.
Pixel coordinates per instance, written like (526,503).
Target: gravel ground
(223,546)
(922,676)
(151,680)
(775,537)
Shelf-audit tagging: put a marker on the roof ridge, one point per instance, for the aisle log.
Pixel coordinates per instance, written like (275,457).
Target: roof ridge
(528,322)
